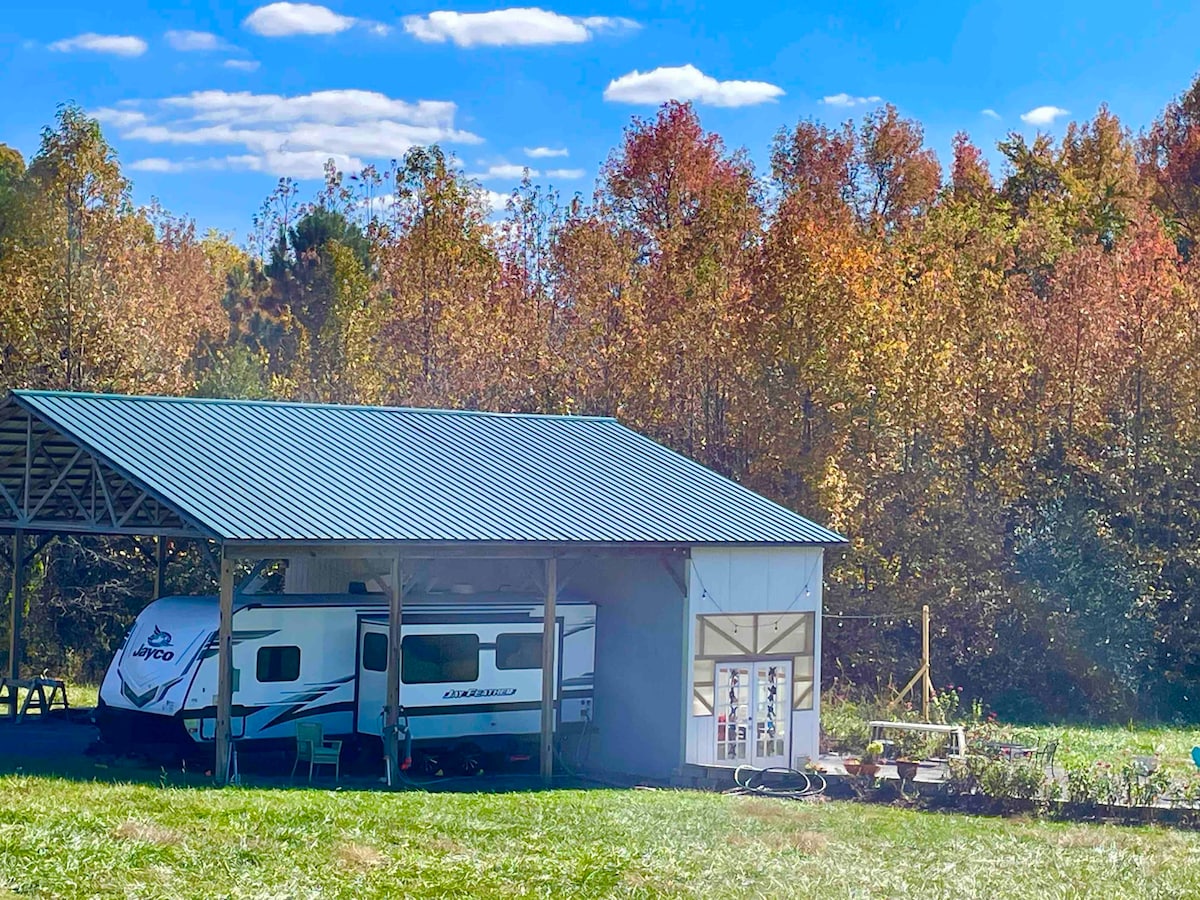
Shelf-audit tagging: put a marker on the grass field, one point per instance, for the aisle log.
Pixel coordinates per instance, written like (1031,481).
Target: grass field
(1083,744)
(79,695)
(83,694)
(62,838)
(1079,745)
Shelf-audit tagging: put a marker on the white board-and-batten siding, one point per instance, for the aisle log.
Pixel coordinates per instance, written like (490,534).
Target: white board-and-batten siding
(754,580)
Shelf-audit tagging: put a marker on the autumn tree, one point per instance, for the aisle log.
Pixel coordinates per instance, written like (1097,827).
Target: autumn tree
(437,266)
(1170,154)
(690,209)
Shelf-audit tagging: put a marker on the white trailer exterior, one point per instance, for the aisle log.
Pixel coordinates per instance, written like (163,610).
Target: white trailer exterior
(471,669)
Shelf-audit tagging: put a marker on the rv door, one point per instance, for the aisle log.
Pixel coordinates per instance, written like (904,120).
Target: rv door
(498,691)
(372,676)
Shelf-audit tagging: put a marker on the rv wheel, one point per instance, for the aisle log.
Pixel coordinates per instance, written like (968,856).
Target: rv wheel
(428,764)
(467,760)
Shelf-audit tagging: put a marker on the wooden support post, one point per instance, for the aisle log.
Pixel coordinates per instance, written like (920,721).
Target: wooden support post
(927,681)
(16,612)
(549,672)
(395,635)
(224,729)
(688,635)
(924,674)
(160,562)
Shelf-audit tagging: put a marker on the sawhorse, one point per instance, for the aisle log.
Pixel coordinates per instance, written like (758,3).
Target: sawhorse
(10,689)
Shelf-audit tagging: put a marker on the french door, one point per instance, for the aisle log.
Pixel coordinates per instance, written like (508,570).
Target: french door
(753,712)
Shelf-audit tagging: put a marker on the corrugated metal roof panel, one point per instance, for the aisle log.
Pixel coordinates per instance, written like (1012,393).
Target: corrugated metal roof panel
(266,471)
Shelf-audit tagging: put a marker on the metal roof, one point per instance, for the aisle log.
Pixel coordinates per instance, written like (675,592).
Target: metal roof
(272,471)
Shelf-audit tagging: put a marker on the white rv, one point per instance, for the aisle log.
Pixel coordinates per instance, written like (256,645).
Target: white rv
(470,670)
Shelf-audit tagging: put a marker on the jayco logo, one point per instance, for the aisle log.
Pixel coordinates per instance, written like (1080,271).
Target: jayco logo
(153,648)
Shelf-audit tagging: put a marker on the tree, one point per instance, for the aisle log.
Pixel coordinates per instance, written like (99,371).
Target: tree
(437,265)
(897,176)
(1101,176)
(1170,154)
(101,295)
(693,216)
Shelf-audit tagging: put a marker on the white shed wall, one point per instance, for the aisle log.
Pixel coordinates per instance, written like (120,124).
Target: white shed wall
(755,580)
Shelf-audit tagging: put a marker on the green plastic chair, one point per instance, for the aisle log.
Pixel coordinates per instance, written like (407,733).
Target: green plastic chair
(311,747)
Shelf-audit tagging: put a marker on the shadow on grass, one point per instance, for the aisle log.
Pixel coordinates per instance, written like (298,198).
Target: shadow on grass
(57,750)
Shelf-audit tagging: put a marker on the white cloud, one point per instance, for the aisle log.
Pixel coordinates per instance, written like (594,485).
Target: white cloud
(156,164)
(496,201)
(1043,115)
(379,202)
(990,113)
(281,19)
(242,65)
(846,100)
(286,135)
(330,107)
(118,118)
(187,41)
(116,44)
(295,164)
(508,171)
(687,83)
(569,174)
(546,152)
(510,27)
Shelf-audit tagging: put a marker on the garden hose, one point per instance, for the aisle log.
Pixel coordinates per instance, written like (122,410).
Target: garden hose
(749,781)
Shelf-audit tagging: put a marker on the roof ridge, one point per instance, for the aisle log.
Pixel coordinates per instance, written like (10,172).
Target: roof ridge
(303,404)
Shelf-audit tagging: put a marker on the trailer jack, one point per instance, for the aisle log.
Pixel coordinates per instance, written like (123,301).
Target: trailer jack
(401,733)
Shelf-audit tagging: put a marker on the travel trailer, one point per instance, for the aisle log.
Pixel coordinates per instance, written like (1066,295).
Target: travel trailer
(470,666)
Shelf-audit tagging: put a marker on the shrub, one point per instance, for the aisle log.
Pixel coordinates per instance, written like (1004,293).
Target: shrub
(844,725)
(1000,781)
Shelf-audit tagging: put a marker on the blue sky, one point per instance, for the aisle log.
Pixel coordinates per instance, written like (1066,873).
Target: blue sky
(207,107)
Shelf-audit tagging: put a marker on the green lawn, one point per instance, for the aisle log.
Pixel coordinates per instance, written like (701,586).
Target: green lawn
(62,838)
(83,694)
(79,696)
(1084,744)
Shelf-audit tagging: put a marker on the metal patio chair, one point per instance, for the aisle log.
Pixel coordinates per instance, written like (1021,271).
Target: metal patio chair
(311,747)
(1045,755)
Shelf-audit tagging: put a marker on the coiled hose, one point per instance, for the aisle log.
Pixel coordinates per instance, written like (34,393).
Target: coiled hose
(793,784)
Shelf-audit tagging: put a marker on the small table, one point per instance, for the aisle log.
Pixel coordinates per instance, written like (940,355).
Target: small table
(958,737)
(1010,750)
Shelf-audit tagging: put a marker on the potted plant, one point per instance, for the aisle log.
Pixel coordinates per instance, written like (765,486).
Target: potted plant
(907,768)
(870,759)
(1146,765)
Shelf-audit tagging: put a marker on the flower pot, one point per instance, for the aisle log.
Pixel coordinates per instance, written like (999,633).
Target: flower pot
(907,768)
(1145,765)
(852,766)
(868,769)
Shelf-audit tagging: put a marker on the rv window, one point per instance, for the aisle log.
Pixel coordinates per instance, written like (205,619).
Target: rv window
(278,663)
(374,658)
(519,651)
(433,658)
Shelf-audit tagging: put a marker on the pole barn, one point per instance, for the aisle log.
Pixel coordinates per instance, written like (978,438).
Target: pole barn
(707,595)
